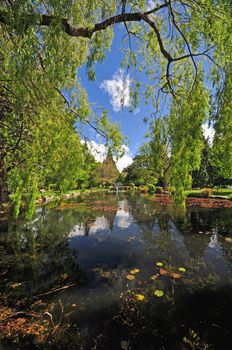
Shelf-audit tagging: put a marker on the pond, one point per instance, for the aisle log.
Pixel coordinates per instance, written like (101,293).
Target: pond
(128,273)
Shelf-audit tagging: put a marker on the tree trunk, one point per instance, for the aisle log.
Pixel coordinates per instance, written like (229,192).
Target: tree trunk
(4,191)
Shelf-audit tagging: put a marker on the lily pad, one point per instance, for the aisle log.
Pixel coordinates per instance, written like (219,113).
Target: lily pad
(159,263)
(182,269)
(130,277)
(139,297)
(133,272)
(158,293)
(228,239)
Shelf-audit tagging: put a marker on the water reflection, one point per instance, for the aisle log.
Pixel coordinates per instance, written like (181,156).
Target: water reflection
(103,237)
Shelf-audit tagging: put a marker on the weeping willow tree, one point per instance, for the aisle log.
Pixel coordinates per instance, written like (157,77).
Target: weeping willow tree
(222,145)
(176,140)
(44,43)
(187,140)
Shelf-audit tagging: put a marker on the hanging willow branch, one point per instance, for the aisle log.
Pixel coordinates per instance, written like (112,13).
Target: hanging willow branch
(126,17)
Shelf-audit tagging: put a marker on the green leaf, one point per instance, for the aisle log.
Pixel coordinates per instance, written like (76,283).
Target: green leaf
(158,293)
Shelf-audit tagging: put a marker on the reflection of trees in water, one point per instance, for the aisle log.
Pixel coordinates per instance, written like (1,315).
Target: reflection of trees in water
(172,232)
(205,219)
(38,250)
(38,257)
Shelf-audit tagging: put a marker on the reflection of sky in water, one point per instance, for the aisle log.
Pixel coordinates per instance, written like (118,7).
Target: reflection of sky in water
(120,241)
(132,234)
(214,254)
(77,230)
(123,219)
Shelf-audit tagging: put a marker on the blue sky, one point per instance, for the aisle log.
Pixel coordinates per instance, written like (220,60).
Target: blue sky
(110,86)
(111,82)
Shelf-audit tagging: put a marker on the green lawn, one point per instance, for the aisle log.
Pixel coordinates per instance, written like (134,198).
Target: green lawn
(217,191)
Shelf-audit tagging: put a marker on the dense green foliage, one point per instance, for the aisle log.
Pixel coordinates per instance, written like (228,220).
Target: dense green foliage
(43,104)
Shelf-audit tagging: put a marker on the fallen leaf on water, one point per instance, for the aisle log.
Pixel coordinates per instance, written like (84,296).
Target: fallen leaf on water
(130,277)
(133,272)
(175,275)
(158,293)
(15,285)
(182,269)
(74,305)
(154,277)
(159,263)
(228,239)
(139,297)
(163,272)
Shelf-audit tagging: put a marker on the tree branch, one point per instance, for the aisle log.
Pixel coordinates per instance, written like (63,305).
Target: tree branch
(80,116)
(85,32)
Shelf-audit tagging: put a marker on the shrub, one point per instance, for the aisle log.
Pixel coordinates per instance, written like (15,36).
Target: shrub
(151,188)
(159,190)
(172,190)
(206,192)
(144,189)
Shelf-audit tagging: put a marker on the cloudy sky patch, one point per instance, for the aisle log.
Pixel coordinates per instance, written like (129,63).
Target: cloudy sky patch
(118,88)
(208,132)
(99,151)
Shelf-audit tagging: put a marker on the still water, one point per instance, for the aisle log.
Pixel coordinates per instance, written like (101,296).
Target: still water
(95,243)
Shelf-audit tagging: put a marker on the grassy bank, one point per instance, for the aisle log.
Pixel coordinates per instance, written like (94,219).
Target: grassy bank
(216,191)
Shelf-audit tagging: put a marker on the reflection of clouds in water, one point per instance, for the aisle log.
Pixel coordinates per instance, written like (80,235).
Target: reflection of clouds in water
(123,218)
(77,230)
(101,223)
(214,243)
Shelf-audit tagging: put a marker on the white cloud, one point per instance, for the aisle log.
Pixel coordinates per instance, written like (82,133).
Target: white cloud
(208,132)
(99,151)
(136,111)
(119,90)
(125,160)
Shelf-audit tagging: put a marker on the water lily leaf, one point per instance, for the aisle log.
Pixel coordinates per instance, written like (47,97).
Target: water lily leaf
(175,275)
(182,269)
(228,239)
(158,293)
(139,297)
(130,277)
(124,344)
(133,272)
(154,277)
(163,272)
(159,263)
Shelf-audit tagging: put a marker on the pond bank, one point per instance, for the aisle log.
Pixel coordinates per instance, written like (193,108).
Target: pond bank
(211,202)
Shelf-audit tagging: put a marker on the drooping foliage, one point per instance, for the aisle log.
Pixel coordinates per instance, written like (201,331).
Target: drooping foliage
(176,141)
(44,43)
(222,146)
(186,121)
